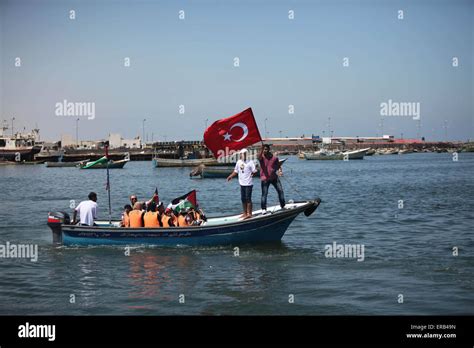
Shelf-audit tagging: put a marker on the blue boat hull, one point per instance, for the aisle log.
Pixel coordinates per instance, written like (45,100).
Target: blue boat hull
(270,234)
(260,229)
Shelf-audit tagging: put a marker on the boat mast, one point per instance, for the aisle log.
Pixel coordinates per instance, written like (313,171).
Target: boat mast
(108,180)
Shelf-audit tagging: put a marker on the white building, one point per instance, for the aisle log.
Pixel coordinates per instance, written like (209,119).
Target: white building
(116,141)
(67,140)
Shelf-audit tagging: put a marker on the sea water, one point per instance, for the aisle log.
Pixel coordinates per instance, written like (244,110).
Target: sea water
(413,215)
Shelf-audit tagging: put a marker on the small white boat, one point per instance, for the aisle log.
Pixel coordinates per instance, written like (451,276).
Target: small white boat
(405,151)
(166,162)
(370,152)
(355,154)
(336,155)
(65,164)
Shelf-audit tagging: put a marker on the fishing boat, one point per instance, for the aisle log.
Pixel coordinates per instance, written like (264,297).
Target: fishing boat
(355,154)
(111,165)
(65,164)
(18,147)
(335,155)
(205,172)
(185,162)
(387,152)
(370,152)
(405,151)
(222,230)
(15,163)
(322,155)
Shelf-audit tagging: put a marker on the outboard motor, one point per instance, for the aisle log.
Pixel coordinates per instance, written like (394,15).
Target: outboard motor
(55,222)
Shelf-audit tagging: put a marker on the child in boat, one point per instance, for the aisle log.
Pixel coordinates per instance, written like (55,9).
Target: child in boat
(161,212)
(182,219)
(169,219)
(195,217)
(151,217)
(199,215)
(125,218)
(136,216)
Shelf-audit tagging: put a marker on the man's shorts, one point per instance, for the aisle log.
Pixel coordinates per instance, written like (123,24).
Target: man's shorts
(246,193)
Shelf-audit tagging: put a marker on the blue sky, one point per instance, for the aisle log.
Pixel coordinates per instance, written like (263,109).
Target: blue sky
(190,62)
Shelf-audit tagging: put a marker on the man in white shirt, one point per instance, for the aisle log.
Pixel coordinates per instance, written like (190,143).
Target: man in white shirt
(245,169)
(87,211)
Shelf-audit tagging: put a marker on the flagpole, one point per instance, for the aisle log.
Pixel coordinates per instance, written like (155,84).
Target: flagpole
(108,180)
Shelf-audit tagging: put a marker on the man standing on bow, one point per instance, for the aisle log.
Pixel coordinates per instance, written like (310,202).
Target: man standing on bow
(245,169)
(270,170)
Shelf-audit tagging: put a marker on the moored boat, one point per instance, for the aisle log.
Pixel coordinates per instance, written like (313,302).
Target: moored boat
(389,152)
(18,147)
(184,162)
(370,152)
(336,155)
(224,230)
(15,163)
(356,154)
(322,155)
(205,172)
(111,165)
(405,151)
(64,164)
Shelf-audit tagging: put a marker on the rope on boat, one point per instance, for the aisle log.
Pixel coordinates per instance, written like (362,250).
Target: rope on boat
(293,187)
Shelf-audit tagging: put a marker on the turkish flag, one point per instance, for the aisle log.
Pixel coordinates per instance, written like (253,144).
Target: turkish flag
(232,133)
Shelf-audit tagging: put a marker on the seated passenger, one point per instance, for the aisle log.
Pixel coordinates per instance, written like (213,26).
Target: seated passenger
(191,218)
(182,219)
(169,219)
(125,218)
(199,215)
(151,217)
(136,216)
(134,199)
(161,212)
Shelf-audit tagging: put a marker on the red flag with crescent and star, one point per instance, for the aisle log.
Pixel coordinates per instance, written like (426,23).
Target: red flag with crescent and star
(232,133)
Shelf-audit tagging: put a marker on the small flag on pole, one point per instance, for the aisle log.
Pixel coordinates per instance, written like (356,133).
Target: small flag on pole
(156,197)
(189,200)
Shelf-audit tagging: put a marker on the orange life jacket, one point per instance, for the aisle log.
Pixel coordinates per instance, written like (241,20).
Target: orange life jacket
(161,217)
(151,219)
(125,220)
(165,220)
(182,220)
(174,219)
(136,219)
